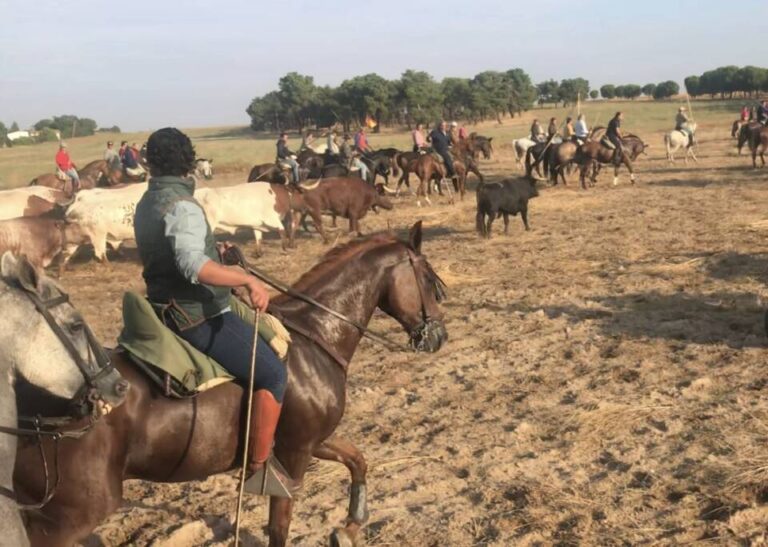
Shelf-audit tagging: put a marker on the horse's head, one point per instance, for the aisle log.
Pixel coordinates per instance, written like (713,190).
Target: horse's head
(486,147)
(45,340)
(413,296)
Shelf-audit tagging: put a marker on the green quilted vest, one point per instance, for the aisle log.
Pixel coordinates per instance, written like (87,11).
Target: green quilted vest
(187,304)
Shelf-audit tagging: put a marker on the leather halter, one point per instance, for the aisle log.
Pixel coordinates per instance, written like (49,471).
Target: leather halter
(98,361)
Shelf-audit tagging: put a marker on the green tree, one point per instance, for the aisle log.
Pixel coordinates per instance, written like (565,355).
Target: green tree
(14,127)
(548,92)
(632,91)
(521,92)
(692,86)
(296,94)
(666,89)
(364,95)
(648,89)
(750,79)
(3,134)
(267,113)
(457,97)
(491,92)
(572,88)
(47,122)
(618,92)
(421,97)
(594,94)
(608,91)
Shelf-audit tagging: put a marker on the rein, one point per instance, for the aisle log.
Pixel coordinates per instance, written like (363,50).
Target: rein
(235,256)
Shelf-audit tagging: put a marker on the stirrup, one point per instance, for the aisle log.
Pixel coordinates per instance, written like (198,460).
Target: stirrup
(269,480)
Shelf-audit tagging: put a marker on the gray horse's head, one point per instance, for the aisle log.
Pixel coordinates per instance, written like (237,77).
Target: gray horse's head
(29,347)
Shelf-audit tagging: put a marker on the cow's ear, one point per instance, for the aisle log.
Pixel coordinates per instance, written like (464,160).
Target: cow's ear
(414,237)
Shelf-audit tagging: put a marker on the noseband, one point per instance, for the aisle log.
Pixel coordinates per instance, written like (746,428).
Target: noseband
(422,335)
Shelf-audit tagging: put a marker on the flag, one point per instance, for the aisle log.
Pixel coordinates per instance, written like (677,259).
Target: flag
(370,122)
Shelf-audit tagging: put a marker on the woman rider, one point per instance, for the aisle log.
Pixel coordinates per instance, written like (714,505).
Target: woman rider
(190,288)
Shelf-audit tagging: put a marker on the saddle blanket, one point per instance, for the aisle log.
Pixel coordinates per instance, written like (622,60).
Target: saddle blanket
(607,143)
(149,341)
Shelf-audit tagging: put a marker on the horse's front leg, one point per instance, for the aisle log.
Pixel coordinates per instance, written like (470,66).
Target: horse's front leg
(281,509)
(340,450)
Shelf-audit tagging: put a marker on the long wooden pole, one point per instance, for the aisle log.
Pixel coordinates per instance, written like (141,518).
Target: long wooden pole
(248,412)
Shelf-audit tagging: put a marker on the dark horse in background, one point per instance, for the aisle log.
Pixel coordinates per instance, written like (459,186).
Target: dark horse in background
(154,438)
(90,177)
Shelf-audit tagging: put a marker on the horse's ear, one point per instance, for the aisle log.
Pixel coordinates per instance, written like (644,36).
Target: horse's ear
(210,161)
(27,275)
(490,139)
(414,237)
(8,265)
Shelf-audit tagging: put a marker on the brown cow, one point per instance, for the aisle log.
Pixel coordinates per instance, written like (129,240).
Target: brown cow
(346,197)
(289,199)
(41,239)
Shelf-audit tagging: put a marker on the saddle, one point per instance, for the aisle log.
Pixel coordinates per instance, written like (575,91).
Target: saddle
(437,157)
(61,175)
(605,141)
(180,370)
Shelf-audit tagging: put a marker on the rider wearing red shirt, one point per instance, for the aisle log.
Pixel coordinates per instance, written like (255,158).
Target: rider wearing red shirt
(67,166)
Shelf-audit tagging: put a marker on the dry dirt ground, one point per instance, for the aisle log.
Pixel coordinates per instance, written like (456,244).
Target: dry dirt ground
(604,383)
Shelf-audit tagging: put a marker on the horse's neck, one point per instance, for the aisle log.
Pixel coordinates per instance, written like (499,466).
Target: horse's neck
(354,292)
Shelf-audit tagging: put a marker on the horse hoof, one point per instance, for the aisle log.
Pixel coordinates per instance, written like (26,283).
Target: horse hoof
(341,538)
(615,181)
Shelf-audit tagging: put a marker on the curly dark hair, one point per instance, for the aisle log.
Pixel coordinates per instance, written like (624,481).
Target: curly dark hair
(170,152)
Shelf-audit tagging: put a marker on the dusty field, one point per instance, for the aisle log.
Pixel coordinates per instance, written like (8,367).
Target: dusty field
(604,382)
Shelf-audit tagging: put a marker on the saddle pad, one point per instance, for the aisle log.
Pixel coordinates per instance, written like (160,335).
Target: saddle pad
(607,143)
(437,157)
(145,337)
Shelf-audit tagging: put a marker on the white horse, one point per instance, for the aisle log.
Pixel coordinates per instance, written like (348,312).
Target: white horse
(29,349)
(521,146)
(676,139)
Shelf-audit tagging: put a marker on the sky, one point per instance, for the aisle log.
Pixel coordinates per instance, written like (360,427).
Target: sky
(148,64)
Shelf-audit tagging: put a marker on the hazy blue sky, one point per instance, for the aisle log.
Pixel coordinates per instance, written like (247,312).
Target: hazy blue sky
(145,64)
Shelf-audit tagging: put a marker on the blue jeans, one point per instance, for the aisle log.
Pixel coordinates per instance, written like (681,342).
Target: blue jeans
(227,339)
(294,167)
(360,164)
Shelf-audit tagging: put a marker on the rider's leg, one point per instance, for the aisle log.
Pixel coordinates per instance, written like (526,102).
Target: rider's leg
(228,340)
(450,171)
(294,169)
(72,174)
(364,171)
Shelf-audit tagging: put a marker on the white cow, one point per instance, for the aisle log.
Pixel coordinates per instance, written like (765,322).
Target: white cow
(29,201)
(247,205)
(105,215)
(203,168)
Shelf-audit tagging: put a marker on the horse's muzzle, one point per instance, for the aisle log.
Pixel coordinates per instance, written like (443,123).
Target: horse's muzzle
(429,336)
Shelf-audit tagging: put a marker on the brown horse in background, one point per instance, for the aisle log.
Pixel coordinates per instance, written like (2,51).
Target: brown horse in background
(90,175)
(430,169)
(154,438)
(593,153)
(756,136)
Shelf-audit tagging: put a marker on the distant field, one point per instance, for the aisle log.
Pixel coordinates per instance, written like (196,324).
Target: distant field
(235,149)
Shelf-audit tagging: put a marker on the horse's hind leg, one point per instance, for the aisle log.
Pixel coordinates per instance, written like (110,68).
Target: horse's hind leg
(340,450)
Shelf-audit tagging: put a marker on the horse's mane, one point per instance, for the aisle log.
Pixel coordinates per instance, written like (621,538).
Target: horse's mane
(343,253)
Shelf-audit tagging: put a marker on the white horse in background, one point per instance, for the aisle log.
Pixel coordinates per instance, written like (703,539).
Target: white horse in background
(29,349)
(521,146)
(676,139)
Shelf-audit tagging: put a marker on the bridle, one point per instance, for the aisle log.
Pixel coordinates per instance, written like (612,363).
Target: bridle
(419,335)
(85,397)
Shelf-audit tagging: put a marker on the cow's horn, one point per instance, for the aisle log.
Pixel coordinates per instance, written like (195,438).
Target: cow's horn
(311,186)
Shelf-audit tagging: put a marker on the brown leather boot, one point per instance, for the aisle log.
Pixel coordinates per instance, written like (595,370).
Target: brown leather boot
(265,475)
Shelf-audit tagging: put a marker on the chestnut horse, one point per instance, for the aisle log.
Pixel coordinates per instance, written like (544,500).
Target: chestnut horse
(429,169)
(159,439)
(90,176)
(592,153)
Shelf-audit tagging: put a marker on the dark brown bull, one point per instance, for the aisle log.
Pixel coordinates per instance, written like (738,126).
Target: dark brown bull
(347,197)
(40,239)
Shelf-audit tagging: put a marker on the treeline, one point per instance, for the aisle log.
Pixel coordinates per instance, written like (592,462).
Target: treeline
(662,90)
(69,126)
(416,97)
(746,81)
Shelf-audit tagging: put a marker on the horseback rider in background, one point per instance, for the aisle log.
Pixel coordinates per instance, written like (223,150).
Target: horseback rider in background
(537,132)
(419,142)
(569,133)
(190,288)
(613,134)
(348,157)
(581,131)
(762,112)
(286,156)
(441,144)
(67,166)
(682,124)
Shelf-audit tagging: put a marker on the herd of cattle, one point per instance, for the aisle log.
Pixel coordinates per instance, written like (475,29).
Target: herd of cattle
(44,220)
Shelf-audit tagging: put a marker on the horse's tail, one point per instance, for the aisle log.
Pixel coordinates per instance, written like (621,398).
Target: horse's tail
(528,162)
(395,162)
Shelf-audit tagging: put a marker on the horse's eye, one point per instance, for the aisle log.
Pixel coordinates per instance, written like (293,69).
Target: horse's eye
(77,326)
